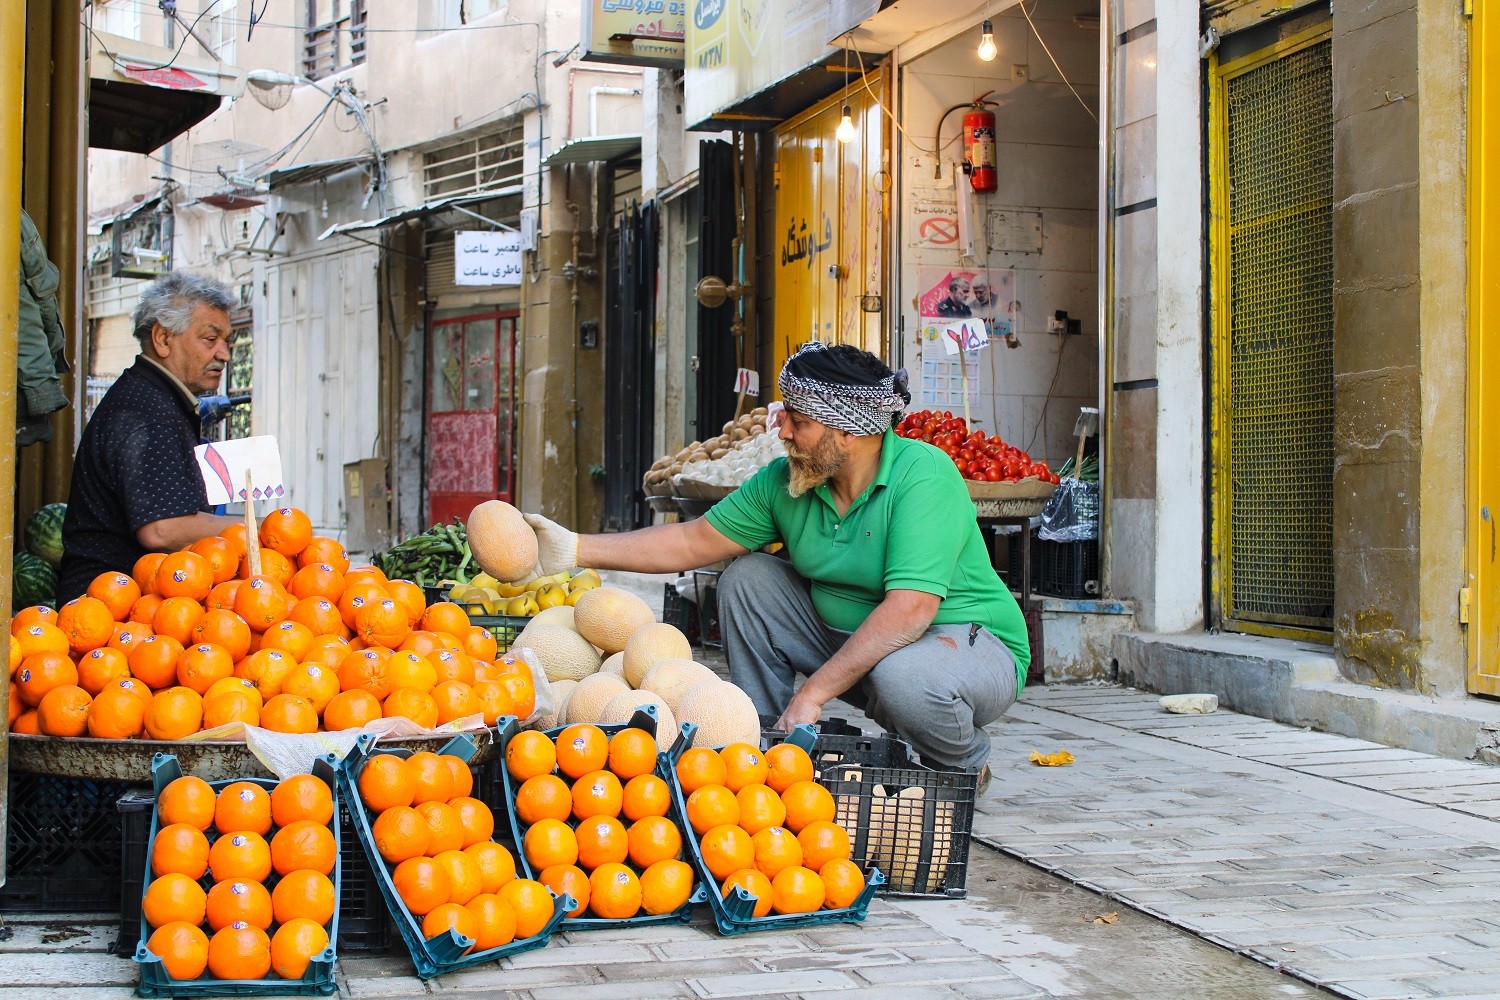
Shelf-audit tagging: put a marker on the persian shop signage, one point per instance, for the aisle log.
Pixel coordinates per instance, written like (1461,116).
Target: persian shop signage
(736,48)
(486,258)
(636,32)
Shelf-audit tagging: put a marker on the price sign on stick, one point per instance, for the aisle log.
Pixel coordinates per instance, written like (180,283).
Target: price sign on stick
(747,382)
(968,335)
(223,465)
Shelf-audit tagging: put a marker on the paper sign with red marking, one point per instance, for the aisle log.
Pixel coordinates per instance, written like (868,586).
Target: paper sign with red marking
(747,381)
(223,465)
(969,335)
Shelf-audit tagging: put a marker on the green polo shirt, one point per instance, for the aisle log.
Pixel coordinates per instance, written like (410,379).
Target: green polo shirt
(913,528)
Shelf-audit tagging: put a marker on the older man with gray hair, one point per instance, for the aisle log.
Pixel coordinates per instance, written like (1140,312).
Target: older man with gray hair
(136,486)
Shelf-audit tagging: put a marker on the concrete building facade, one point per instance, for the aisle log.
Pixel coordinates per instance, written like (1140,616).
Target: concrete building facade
(330,195)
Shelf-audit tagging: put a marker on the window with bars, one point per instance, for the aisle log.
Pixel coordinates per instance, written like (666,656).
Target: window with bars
(334,38)
(241,381)
(105,295)
(480,163)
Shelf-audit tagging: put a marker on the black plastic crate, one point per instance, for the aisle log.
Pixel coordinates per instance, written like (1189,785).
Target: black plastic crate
(135,808)
(679,611)
(364,924)
(1011,569)
(1067,569)
(911,822)
(62,845)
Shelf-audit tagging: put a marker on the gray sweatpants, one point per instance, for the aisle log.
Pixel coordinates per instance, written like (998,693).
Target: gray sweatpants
(936,693)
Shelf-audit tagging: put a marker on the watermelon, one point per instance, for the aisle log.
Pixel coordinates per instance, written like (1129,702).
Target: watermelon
(44,532)
(34,581)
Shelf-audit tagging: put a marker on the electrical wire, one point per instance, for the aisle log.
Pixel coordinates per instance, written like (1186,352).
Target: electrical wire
(864,81)
(1062,343)
(1055,66)
(89,27)
(253,21)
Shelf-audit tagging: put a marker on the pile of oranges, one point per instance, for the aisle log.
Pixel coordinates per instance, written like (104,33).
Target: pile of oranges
(765,825)
(257,879)
(191,640)
(576,795)
(436,839)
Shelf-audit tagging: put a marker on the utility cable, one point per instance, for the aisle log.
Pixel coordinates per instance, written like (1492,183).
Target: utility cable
(89,27)
(1055,66)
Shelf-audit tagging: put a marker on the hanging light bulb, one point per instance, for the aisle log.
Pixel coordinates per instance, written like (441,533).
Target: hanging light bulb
(845,132)
(987,49)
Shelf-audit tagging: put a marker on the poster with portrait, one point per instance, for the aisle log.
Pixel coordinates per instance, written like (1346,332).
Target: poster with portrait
(948,297)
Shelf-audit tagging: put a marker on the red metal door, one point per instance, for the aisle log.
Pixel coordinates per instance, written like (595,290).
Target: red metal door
(471,408)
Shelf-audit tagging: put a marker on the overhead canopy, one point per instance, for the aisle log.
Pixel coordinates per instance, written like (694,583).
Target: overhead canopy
(789,96)
(593,149)
(420,212)
(142,96)
(306,173)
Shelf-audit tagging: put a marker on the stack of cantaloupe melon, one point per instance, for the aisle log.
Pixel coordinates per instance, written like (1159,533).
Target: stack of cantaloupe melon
(604,652)
(608,655)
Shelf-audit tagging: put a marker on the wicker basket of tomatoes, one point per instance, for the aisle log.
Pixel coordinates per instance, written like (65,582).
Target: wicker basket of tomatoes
(1002,475)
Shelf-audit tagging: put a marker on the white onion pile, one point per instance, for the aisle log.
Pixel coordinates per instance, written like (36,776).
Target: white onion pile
(742,461)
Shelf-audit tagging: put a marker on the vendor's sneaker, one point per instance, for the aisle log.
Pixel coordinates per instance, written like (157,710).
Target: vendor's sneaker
(983,784)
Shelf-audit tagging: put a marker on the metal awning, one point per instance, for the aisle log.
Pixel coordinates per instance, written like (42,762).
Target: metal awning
(593,149)
(142,96)
(100,221)
(306,173)
(421,212)
(769,107)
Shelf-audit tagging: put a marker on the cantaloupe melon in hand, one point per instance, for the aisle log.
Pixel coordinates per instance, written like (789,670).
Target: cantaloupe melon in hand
(649,645)
(563,653)
(587,702)
(502,543)
(623,706)
(609,616)
(723,713)
(674,678)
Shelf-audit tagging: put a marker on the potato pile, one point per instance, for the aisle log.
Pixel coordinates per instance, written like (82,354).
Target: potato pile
(658,480)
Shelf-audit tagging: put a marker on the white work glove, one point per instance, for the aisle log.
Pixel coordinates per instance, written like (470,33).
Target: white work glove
(556,547)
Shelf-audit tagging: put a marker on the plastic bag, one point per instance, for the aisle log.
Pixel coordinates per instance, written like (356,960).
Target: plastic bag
(546,700)
(1072,514)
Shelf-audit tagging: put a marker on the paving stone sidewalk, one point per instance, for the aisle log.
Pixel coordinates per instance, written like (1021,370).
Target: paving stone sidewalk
(1367,871)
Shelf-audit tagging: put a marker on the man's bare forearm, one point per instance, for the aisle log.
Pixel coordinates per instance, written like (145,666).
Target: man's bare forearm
(173,533)
(900,620)
(664,548)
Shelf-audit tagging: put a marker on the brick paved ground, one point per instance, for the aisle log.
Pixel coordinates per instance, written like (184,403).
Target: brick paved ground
(1369,871)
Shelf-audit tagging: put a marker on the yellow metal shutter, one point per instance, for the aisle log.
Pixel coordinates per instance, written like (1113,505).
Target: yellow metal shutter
(1272,176)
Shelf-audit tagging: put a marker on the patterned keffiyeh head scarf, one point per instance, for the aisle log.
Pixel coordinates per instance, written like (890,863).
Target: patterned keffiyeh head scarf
(843,387)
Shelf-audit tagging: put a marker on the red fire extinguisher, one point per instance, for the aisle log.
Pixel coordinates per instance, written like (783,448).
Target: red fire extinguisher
(979,148)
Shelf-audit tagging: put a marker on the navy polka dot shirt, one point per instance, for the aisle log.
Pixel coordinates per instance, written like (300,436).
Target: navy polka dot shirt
(134,465)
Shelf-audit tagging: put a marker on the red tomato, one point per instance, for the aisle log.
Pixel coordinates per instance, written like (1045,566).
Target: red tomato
(992,475)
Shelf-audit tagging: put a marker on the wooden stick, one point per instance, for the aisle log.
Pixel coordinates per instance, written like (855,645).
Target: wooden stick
(252,535)
(963,367)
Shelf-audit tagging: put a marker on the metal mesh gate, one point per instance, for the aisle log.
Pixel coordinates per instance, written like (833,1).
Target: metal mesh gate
(1276,372)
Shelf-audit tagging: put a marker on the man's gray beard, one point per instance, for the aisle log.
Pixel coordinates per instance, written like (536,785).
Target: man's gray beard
(811,469)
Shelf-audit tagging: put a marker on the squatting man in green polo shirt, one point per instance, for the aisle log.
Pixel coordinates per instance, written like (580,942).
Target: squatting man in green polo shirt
(887,598)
